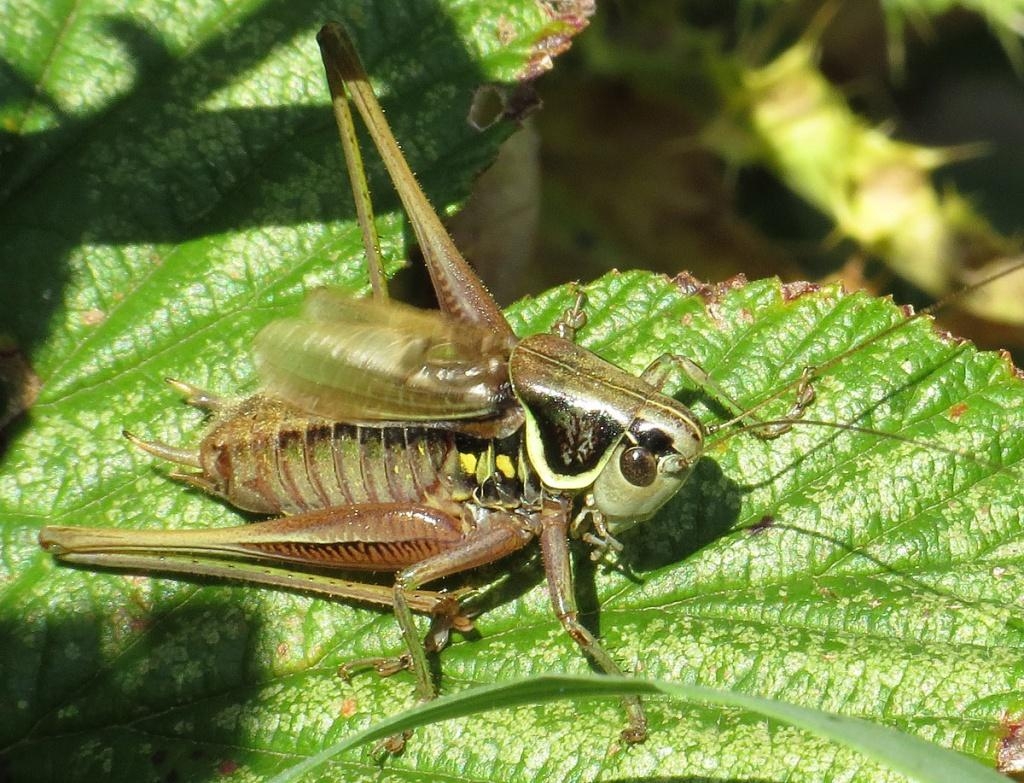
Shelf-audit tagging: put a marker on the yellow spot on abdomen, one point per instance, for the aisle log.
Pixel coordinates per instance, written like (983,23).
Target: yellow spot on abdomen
(504,464)
(467,462)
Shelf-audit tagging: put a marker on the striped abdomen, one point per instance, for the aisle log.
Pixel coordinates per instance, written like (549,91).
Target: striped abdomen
(267,457)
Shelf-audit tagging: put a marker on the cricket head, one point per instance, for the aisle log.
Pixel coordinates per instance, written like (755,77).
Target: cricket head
(593,428)
(649,465)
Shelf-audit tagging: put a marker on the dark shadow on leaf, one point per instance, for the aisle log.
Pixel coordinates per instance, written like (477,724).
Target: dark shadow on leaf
(156,167)
(84,719)
(97,715)
(499,583)
(704,510)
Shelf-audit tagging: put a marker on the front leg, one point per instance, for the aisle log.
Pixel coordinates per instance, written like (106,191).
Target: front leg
(554,545)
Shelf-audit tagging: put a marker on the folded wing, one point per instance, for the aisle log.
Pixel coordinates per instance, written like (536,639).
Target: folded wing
(366,361)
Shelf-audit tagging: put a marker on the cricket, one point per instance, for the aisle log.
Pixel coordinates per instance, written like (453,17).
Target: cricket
(424,444)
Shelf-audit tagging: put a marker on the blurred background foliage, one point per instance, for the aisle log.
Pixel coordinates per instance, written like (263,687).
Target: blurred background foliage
(879,143)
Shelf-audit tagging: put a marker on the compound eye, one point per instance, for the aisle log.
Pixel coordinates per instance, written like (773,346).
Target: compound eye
(638,466)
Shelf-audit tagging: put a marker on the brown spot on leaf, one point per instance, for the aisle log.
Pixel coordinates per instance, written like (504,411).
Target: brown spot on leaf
(568,18)
(687,284)
(1007,357)
(505,31)
(227,767)
(710,292)
(797,289)
(1010,757)
(93,317)
(957,410)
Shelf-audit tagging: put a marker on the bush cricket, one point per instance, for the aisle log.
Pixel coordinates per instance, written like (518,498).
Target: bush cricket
(423,444)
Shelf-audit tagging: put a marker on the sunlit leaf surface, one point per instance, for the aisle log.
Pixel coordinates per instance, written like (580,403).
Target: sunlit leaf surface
(172,182)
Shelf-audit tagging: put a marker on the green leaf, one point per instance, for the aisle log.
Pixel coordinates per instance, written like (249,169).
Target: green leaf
(174,192)
(917,758)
